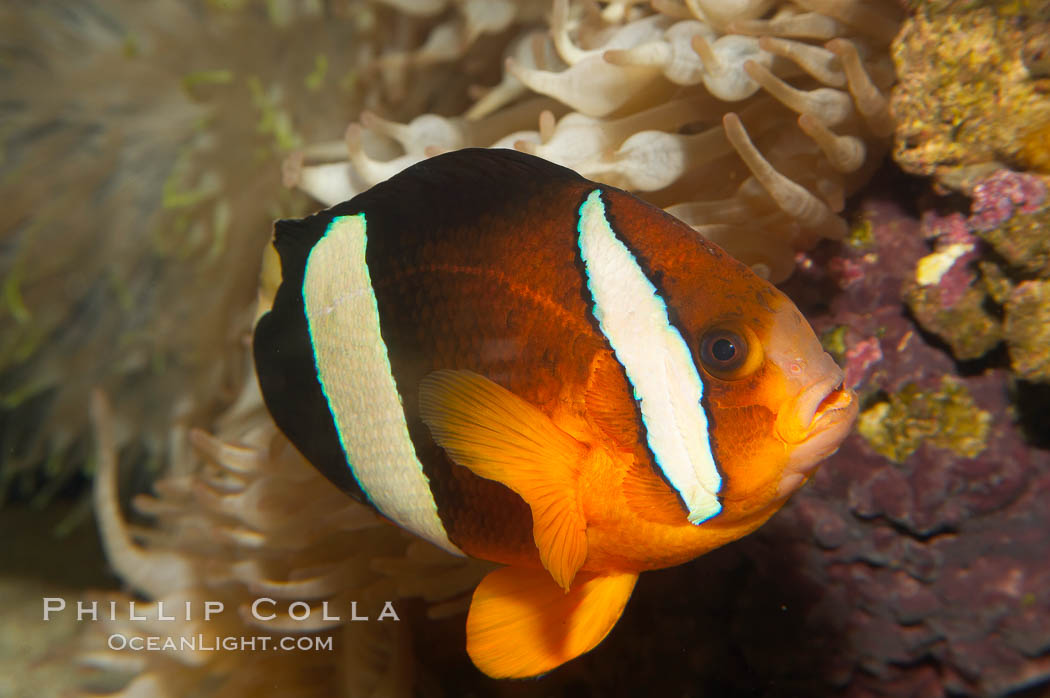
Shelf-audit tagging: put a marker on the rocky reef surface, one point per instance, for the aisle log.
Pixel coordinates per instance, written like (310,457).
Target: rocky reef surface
(973,112)
(973,81)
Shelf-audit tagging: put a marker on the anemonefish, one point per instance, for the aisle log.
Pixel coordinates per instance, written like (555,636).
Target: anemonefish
(527,367)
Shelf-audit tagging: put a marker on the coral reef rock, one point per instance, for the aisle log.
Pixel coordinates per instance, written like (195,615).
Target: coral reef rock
(1027,325)
(919,550)
(973,89)
(983,283)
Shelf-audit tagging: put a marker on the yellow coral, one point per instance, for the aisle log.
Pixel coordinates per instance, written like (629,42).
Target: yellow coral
(1035,147)
(965,96)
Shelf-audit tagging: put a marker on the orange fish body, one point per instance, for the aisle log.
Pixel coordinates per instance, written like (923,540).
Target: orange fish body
(530,368)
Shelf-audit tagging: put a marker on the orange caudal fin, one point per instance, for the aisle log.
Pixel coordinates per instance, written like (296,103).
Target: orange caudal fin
(498,436)
(521,624)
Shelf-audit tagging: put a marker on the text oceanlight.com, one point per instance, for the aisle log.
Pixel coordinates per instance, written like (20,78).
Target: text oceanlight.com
(212,643)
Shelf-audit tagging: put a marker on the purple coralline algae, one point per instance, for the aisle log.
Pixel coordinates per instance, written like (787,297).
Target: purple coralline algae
(942,294)
(926,534)
(1010,213)
(996,197)
(982,283)
(859,358)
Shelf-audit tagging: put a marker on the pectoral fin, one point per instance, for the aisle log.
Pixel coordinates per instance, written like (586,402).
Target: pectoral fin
(520,624)
(498,436)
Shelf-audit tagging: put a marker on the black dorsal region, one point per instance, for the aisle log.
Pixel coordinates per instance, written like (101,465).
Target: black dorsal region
(456,190)
(450,191)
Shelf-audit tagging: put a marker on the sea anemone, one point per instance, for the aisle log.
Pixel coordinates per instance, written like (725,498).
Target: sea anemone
(141,146)
(240,517)
(750,120)
(141,149)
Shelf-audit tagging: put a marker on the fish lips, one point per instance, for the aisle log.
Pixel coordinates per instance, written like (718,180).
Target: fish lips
(812,426)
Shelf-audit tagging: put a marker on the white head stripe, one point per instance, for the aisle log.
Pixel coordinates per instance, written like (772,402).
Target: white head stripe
(354,371)
(633,317)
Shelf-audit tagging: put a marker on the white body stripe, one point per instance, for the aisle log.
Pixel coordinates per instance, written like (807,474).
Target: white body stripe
(354,371)
(658,363)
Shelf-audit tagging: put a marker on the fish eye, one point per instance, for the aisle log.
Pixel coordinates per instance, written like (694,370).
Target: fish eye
(726,353)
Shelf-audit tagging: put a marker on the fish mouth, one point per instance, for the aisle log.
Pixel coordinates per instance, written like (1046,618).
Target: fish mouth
(813,425)
(814,409)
